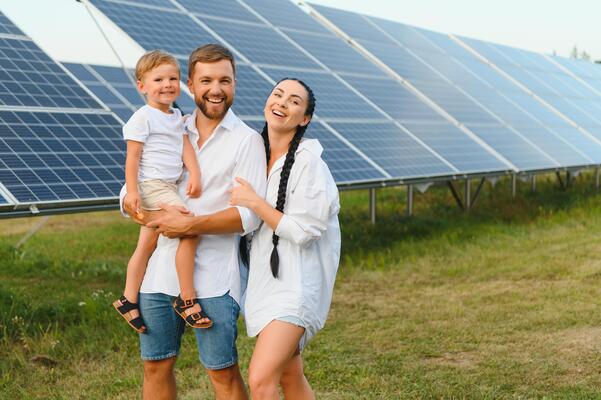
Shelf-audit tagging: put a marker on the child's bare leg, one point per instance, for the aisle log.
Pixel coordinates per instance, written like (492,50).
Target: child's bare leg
(136,268)
(184,263)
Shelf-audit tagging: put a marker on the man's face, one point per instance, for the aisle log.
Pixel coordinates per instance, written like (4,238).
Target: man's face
(213,86)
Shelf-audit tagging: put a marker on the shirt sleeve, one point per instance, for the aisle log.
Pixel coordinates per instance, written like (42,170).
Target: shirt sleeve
(308,208)
(137,128)
(251,166)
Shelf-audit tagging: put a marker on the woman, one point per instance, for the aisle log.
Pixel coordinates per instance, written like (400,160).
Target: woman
(294,255)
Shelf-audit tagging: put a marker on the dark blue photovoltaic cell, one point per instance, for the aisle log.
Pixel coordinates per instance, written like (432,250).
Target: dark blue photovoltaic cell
(346,165)
(153,29)
(7,27)
(117,76)
(335,54)
(456,147)
(286,15)
(334,99)
(513,147)
(405,35)
(354,25)
(230,9)
(60,156)
(395,100)
(28,77)
(262,45)
(394,150)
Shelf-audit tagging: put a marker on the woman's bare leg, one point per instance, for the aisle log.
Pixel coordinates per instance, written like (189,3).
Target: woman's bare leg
(274,349)
(293,381)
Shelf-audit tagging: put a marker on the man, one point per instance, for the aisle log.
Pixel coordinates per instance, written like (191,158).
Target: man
(225,148)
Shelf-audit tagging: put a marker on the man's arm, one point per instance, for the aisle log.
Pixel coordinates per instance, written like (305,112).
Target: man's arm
(175,224)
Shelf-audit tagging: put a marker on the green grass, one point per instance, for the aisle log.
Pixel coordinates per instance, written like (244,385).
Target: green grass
(501,303)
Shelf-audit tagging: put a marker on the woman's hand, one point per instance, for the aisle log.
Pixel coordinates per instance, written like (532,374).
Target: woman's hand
(174,222)
(244,195)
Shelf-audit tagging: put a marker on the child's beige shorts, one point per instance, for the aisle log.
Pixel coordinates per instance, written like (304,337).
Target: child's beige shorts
(155,192)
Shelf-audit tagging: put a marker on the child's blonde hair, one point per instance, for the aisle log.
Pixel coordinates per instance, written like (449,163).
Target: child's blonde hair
(153,59)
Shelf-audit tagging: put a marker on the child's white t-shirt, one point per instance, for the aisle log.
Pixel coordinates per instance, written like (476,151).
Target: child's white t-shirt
(163,138)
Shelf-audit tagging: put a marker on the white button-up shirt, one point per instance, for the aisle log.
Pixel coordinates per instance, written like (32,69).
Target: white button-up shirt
(233,150)
(309,247)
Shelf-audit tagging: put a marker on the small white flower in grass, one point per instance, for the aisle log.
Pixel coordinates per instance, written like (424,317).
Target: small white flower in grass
(81,303)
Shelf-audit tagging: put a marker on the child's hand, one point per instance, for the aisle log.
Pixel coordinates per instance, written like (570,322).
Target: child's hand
(193,188)
(132,202)
(243,195)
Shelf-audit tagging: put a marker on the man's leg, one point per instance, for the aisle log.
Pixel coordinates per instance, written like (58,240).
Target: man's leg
(217,347)
(160,345)
(159,380)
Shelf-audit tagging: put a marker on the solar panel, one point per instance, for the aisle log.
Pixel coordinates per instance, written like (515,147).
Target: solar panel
(66,156)
(28,77)
(397,152)
(513,147)
(58,144)
(229,9)
(433,64)
(285,15)
(555,87)
(171,30)
(339,103)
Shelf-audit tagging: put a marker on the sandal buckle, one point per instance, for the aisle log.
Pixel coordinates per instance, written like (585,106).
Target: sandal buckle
(188,303)
(195,316)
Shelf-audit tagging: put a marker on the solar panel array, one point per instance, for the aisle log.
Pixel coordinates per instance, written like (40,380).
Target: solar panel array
(58,144)
(419,106)
(520,128)
(347,114)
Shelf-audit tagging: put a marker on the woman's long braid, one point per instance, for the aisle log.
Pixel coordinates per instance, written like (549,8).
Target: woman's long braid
(281,201)
(287,167)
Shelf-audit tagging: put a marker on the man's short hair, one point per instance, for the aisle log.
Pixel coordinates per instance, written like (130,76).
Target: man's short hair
(210,53)
(152,59)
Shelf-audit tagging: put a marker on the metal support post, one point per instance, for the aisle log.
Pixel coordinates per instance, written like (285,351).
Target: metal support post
(467,195)
(372,206)
(409,200)
(513,185)
(533,183)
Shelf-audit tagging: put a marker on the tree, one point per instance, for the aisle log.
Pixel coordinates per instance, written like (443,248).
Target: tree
(574,52)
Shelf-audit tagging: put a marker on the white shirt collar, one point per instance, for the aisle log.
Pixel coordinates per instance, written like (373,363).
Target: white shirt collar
(228,122)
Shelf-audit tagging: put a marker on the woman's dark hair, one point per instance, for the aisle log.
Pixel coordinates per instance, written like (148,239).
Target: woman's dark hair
(284,174)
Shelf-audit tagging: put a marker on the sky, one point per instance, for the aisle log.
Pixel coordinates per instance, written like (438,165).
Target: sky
(66,31)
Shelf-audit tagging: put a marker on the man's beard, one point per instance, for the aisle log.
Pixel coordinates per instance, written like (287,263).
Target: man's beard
(202,105)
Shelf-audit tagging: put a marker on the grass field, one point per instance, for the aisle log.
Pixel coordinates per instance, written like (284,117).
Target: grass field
(499,304)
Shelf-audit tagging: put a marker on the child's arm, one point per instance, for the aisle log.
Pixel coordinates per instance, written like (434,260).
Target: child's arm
(189,158)
(132,164)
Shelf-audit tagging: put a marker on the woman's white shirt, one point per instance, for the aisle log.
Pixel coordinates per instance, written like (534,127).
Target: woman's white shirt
(309,247)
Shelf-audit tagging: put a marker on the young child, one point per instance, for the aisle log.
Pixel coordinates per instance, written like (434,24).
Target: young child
(157,143)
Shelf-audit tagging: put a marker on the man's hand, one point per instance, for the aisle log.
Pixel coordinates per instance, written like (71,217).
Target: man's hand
(131,205)
(174,222)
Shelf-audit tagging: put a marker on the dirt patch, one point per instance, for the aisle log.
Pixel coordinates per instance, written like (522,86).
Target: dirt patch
(464,360)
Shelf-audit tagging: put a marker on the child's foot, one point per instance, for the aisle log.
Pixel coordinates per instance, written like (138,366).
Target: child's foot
(131,313)
(192,313)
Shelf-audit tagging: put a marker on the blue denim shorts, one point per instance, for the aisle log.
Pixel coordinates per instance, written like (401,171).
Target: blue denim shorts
(216,345)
